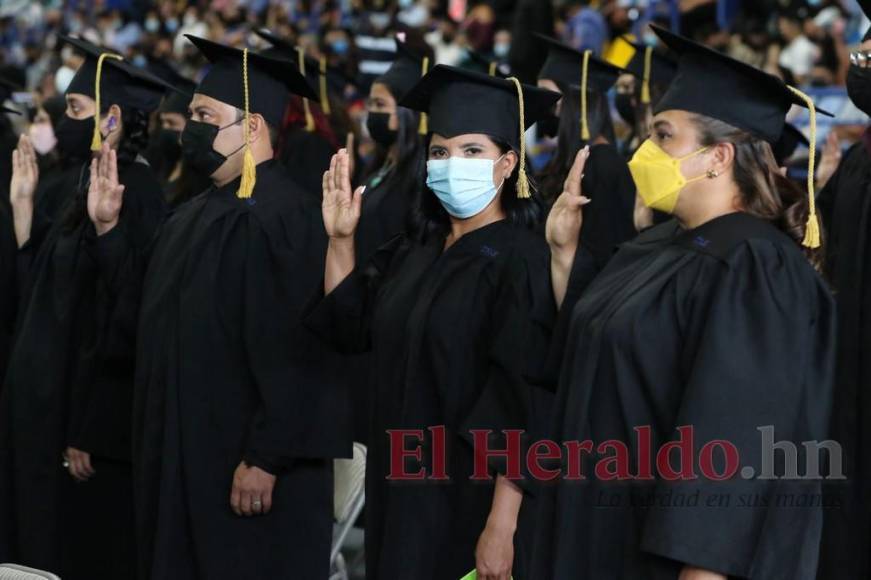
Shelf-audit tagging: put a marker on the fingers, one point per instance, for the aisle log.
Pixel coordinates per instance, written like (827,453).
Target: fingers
(245,504)
(87,468)
(325,187)
(344,174)
(334,162)
(349,143)
(266,498)
(113,167)
(236,501)
(573,182)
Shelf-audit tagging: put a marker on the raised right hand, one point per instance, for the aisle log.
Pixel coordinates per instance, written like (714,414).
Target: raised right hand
(25,172)
(565,218)
(340,206)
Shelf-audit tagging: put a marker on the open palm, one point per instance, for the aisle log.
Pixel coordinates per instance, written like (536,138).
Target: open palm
(341,206)
(105,193)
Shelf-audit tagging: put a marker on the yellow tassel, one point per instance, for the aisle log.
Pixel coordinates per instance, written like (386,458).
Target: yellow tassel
(97,139)
(249,168)
(423,128)
(493,66)
(325,98)
(812,237)
(645,85)
(309,120)
(585,127)
(522,180)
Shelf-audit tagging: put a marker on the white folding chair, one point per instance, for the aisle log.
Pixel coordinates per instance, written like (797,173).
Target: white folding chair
(15,572)
(349,496)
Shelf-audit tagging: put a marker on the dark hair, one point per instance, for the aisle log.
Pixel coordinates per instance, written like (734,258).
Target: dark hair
(569,140)
(411,163)
(765,192)
(430,218)
(134,140)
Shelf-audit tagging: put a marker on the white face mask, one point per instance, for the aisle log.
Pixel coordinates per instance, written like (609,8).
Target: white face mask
(464,186)
(42,137)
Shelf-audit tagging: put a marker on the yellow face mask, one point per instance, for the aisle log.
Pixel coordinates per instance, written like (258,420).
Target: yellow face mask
(658,177)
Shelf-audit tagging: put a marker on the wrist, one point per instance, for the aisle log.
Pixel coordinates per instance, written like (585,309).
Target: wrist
(502,526)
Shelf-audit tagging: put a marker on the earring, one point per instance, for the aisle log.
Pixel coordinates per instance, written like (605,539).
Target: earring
(712,173)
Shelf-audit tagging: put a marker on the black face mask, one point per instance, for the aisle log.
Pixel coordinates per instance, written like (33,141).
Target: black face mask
(625,108)
(74,137)
(378,125)
(549,126)
(168,142)
(197,147)
(859,87)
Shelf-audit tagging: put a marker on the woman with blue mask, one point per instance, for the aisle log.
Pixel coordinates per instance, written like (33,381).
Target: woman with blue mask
(457,318)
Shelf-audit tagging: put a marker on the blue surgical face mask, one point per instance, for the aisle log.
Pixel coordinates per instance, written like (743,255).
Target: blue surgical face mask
(464,186)
(340,47)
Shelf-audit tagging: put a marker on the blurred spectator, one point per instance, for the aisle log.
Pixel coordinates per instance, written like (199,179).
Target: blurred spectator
(585,27)
(798,54)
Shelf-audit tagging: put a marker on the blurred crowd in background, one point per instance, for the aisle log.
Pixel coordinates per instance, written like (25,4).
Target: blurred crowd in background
(807,42)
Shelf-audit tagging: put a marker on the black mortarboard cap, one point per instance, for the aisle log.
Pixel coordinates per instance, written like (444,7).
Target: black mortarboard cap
(715,85)
(270,80)
(7,87)
(405,71)
(651,66)
(120,82)
(460,101)
(564,65)
(481,63)
(176,101)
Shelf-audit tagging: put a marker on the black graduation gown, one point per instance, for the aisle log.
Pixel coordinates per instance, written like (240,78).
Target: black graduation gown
(384,215)
(225,372)
(456,338)
(845,208)
(69,383)
(725,328)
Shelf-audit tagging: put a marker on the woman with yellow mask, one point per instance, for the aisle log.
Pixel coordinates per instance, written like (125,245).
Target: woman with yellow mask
(703,342)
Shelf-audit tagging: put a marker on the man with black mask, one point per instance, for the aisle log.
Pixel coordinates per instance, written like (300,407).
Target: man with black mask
(236,421)
(845,207)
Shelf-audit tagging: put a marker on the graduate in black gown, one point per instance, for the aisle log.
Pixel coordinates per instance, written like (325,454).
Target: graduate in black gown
(312,129)
(8,251)
(457,320)
(180,182)
(715,323)
(392,180)
(583,117)
(65,476)
(845,207)
(236,422)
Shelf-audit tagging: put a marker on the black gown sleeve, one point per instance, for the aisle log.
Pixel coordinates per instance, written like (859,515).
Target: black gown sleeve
(343,317)
(515,396)
(760,356)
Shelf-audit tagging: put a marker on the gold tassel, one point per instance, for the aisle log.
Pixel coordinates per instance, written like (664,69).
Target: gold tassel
(493,66)
(249,168)
(325,98)
(812,235)
(97,139)
(645,84)
(585,127)
(423,128)
(522,181)
(309,120)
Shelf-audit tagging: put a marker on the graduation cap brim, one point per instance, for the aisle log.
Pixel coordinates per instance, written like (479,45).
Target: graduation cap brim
(406,70)
(564,65)
(270,80)
(715,85)
(6,109)
(176,101)
(279,43)
(460,102)
(486,65)
(121,83)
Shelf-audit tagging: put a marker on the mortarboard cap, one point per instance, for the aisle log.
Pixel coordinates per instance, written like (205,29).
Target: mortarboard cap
(481,63)
(651,66)
(564,65)
(405,71)
(120,82)
(460,101)
(573,68)
(269,81)
(176,101)
(712,84)
(7,87)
